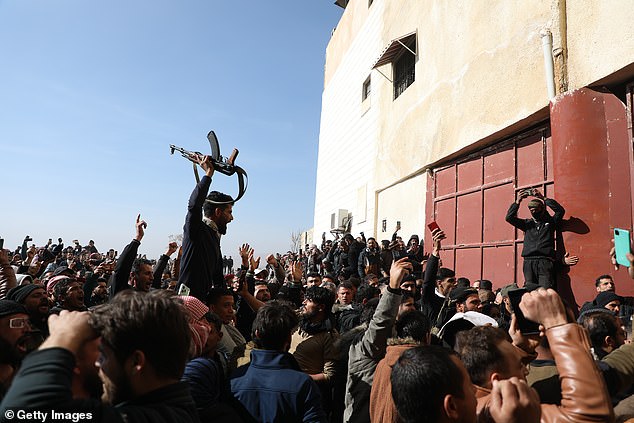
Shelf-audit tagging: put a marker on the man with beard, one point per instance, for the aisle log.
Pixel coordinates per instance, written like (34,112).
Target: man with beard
(370,259)
(131,272)
(99,294)
(15,330)
(69,295)
(34,299)
(207,218)
(140,374)
(539,236)
(312,344)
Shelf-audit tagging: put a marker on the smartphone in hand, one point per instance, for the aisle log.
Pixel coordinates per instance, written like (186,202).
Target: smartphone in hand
(433,226)
(526,327)
(183,290)
(622,246)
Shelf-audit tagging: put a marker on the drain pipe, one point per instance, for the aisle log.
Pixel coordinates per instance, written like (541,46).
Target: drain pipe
(547,46)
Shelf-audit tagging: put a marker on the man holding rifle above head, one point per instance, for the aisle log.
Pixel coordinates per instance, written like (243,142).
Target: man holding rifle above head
(207,219)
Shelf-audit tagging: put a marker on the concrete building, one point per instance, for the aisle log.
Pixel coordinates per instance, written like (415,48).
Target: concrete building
(443,109)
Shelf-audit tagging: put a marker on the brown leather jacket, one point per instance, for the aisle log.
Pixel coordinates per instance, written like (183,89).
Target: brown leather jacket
(584,396)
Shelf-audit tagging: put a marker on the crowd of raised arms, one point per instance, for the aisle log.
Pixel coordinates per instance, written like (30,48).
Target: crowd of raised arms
(351,330)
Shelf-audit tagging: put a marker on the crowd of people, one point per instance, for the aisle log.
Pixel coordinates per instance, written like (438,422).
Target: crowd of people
(352,330)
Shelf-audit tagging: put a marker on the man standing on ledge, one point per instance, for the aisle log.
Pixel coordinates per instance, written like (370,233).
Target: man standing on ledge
(207,219)
(539,237)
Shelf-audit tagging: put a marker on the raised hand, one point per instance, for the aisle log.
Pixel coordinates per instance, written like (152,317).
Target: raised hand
(522,195)
(436,237)
(270,259)
(400,268)
(296,271)
(513,401)
(140,228)
(244,254)
(204,162)
(171,248)
(253,263)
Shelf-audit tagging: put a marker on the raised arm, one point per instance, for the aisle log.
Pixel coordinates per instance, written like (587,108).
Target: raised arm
(121,275)
(511,214)
(7,275)
(374,341)
(161,264)
(584,396)
(431,269)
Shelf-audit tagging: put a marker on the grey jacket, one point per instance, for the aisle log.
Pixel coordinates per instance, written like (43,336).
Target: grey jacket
(364,357)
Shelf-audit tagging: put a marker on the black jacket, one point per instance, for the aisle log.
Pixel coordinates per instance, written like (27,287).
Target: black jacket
(539,236)
(201,263)
(44,383)
(121,275)
(432,304)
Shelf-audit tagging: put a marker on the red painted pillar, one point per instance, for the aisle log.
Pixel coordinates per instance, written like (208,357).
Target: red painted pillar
(592,182)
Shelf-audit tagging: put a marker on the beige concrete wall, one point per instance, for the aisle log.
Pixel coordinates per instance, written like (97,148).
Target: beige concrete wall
(404,202)
(600,39)
(480,70)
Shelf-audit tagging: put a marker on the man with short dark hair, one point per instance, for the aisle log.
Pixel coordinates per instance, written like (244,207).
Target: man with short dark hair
(436,375)
(69,295)
(465,299)
(313,279)
(140,374)
(131,272)
(233,344)
(345,293)
(207,219)
(490,357)
(437,285)
(370,259)
(605,330)
(313,344)
(271,387)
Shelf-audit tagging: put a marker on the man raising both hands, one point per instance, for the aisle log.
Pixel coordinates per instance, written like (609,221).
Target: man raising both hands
(207,219)
(539,236)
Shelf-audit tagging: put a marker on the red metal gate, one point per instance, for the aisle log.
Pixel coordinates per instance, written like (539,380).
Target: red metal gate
(470,198)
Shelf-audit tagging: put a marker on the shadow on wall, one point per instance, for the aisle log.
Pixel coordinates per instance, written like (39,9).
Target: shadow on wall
(563,282)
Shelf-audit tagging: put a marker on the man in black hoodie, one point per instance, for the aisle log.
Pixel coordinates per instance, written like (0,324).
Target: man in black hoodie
(539,236)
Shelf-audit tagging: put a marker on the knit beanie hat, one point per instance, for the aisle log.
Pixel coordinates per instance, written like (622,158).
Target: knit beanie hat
(606,297)
(9,308)
(19,293)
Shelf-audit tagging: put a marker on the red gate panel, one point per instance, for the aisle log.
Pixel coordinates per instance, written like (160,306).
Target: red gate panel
(470,200)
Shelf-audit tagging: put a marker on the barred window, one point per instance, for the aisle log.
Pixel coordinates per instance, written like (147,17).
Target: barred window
(404,66)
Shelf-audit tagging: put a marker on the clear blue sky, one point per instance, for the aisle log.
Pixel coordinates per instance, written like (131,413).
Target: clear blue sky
(93,92)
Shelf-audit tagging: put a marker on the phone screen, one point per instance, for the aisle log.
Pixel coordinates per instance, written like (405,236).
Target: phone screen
(1,243)
(433,226)
(526,327)
(622,246)
(183,290)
